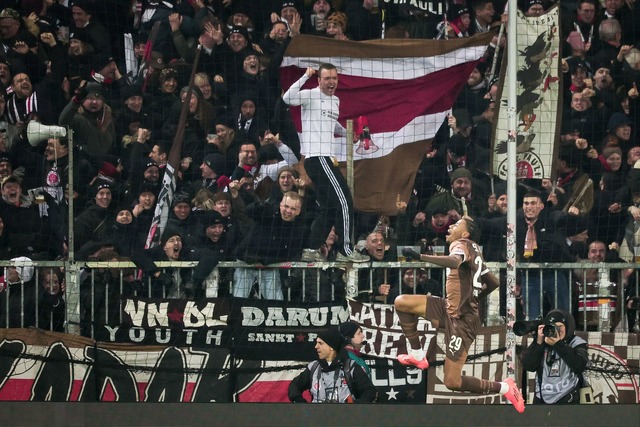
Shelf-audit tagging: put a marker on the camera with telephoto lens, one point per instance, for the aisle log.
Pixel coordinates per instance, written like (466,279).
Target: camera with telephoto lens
(521,328)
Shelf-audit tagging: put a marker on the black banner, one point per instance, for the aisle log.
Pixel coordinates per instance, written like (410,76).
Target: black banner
(278,330)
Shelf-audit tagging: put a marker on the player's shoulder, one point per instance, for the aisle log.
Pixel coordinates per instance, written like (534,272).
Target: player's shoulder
(467,246)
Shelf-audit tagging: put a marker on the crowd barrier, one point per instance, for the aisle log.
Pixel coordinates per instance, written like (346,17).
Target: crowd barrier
(93,291)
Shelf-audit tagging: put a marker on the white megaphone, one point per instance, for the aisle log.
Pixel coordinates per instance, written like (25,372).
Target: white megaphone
(37,132)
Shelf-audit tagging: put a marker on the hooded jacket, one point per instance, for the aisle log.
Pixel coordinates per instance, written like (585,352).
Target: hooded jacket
(559,367)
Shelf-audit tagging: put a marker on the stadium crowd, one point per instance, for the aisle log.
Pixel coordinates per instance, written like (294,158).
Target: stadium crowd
(117,74)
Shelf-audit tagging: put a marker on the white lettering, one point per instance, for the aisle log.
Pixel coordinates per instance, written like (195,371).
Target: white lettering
(136,313)
(275,317)
(157,313)
(189,332)
(167,336)
(112,332)
(136,334)
(214,336)
(252,316)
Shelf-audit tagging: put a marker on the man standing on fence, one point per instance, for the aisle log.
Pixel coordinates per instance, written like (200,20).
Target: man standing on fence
(467,280)
(320,111)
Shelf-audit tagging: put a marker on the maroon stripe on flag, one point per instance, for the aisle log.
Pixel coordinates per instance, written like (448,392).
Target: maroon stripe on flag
(389,104)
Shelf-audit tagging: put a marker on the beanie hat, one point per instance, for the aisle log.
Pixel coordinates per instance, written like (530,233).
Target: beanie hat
(168,73)
(460,173)
(80,35)
(131,90)
(240,30)
(616,120)
(340,19)
(216,162)
(459,10)
(530,3)
(11,178)
(227,120)
(103,184)
(222,195)
(289,3)
(333,338)
(289,169)
(180,198)
(25,272)
(212,218)
(149,163)
(348,330)
(94,90)
(607,152)
(101,60)
(167,234)
(10,13)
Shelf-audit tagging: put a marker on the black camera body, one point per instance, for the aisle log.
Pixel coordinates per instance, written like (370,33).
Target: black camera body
(522,328)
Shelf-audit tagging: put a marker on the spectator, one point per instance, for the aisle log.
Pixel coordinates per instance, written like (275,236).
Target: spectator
(377,282)
(212,172)
(198,122)
(276,237)
(93,223)
(162,100)
(6,166)
(82,13)
(22,222)
(318,133)
(39,102)
(365,20)
(18,294)
(354,341)
(533,8)
(181,218)
(415,281)
(483,13)
(460,197)
(51,302)
(583,20)
(92,123)
(337,26)
(541,237)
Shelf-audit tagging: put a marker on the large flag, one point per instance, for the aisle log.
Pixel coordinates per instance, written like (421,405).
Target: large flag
(539,90)
(404,88)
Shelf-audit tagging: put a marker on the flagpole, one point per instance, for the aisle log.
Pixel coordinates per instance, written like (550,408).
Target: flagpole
(511,186)
(165,197)
(350,165)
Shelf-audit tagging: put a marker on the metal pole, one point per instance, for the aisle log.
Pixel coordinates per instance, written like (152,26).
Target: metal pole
(71,269)
(511,187)
(350,181)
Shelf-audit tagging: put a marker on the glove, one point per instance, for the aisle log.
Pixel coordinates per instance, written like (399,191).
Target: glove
(410,254)
(81,94)
(162,281)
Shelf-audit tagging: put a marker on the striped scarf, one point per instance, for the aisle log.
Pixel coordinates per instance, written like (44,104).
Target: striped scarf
(19,110)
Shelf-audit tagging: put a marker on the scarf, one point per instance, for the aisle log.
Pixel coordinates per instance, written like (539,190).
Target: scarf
(530,241)
(18,110)
(102,119)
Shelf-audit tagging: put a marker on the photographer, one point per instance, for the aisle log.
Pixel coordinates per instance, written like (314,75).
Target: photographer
(559,358)
(334,377)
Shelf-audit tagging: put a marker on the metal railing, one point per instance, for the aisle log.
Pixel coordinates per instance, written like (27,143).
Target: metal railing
(91,292)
